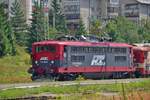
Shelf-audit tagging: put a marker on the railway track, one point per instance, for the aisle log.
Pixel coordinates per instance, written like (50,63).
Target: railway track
(85,82)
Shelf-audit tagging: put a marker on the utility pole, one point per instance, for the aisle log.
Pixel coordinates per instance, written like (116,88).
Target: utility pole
(54,18)
(47,18)
(45,8)
(47,25)
(44,16)
(89,14)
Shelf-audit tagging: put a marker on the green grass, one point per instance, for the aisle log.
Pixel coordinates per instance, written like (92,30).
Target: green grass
(129,87)
(14,68)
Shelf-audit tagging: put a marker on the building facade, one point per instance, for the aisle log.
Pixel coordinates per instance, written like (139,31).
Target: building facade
(25,6)
(89,10)
(71,10)
(75,10)
(104,10)
(135,10)
(113,8)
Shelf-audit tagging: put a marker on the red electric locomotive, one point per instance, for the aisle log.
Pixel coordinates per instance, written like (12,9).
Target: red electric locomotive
(141,60)
(65,60)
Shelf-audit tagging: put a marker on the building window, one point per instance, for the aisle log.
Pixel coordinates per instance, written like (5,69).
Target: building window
(132,14)
(131,6)
(72,8)
(72,16)
(112,9)
(114,1)
(71,0)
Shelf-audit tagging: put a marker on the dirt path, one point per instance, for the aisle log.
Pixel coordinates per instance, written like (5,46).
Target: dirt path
(86,82)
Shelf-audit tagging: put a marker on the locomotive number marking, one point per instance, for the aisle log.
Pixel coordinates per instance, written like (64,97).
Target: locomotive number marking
(98,60)
(44,58)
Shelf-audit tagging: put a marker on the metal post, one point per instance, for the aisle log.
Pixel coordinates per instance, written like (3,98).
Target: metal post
(89,14)
(43,8)
(54,15)
(48,26)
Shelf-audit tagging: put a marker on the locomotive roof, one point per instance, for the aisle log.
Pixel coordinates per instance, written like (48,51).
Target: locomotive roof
(141,48)
(79,43)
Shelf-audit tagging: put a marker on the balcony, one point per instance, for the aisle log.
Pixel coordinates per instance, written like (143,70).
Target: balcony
(131,10)
(112,10)
(71,12)
(112,15)
(132,14)
(71,2)
(73,21)
(72,16)
(112,5)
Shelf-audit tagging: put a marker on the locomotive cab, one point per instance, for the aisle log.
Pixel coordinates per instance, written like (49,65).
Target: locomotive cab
(44,55)
(45,59)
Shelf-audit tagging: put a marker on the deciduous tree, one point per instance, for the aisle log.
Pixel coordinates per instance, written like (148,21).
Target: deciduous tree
(123,30)
(96,27)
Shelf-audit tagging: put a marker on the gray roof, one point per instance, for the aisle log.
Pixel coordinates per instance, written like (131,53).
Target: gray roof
(144,1)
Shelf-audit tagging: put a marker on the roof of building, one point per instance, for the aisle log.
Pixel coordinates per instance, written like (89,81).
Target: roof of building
(144,1)
(142,46)
(79,43)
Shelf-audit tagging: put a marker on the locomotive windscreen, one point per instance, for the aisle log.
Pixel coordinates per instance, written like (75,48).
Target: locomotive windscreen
(47,48)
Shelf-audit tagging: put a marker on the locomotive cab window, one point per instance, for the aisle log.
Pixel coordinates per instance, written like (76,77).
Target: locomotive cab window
(47,48)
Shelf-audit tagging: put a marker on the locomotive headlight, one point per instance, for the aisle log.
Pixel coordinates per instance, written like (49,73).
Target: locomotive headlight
(52,62)
(36,62)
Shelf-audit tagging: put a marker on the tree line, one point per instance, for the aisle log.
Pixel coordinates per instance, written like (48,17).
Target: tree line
(15,31)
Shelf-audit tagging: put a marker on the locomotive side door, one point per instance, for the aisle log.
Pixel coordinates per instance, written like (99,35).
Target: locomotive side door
(66,52)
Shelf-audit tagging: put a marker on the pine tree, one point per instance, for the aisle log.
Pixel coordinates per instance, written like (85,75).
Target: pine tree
(37,24)
(18,21)
(57,18)
(81,29)
(6,39)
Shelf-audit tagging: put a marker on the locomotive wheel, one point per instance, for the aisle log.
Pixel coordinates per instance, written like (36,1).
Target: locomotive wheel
(137,74)
(36,77)
(66,77)
(49,77)
(70,77)
(33,78)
